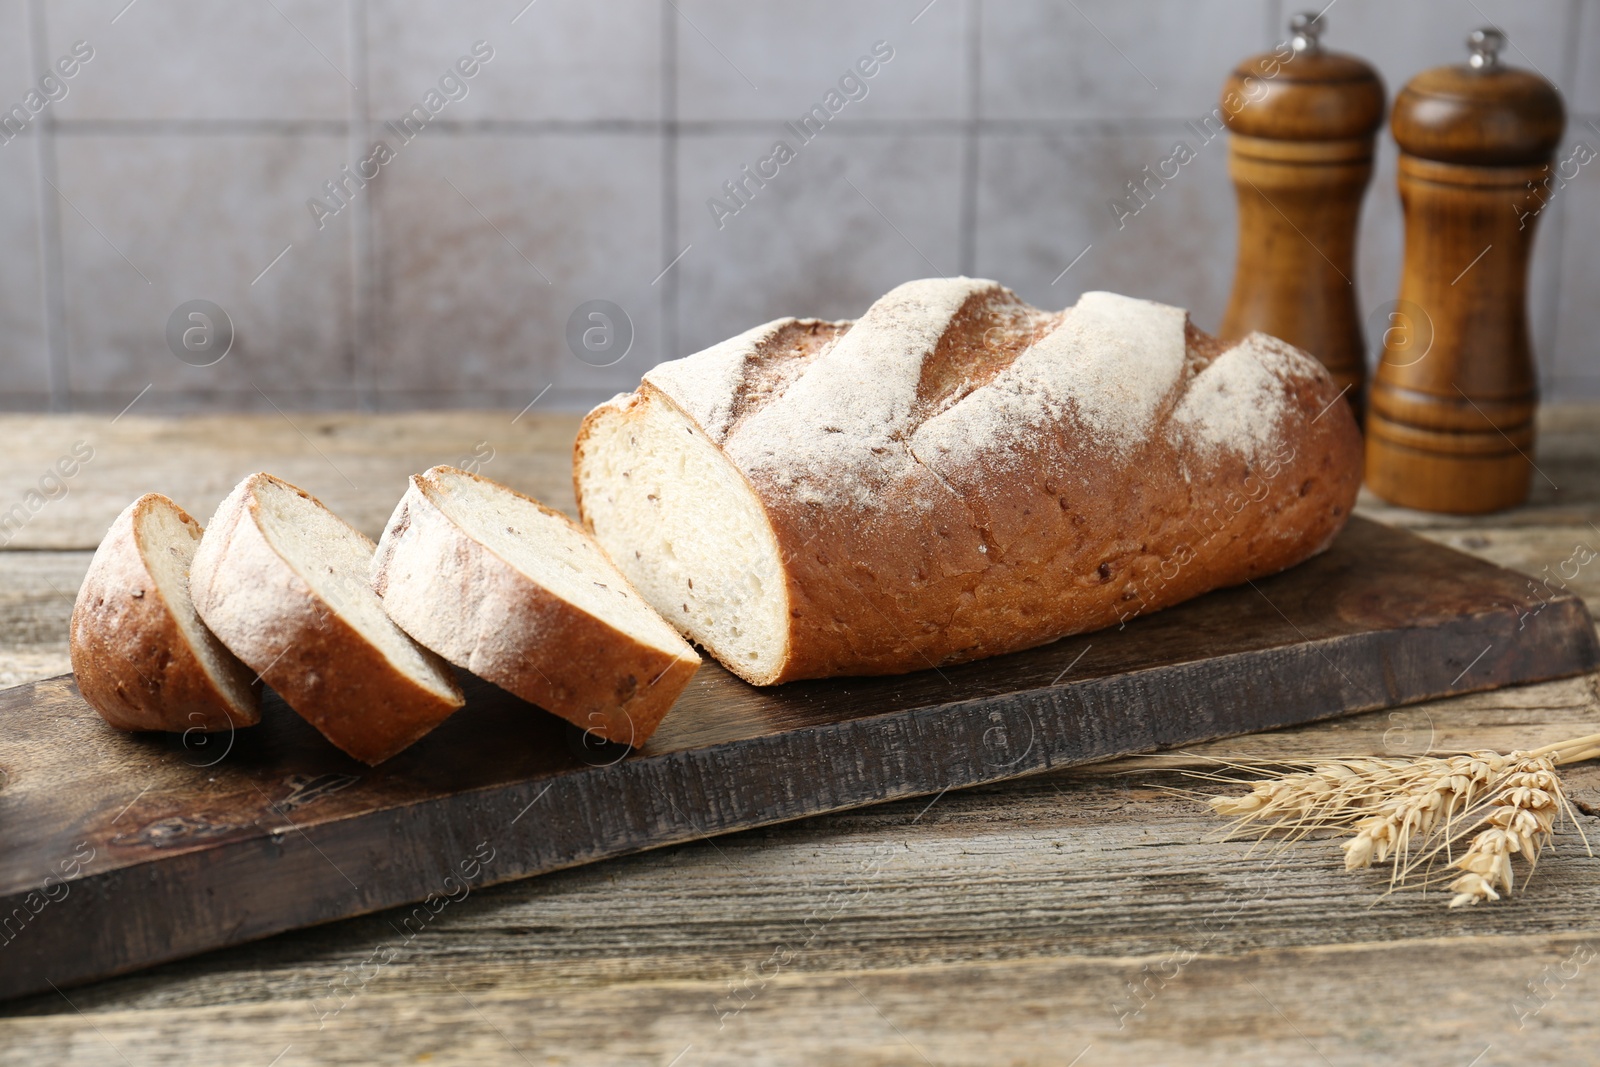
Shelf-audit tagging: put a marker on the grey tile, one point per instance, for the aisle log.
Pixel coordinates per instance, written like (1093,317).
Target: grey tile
(1585,97)
(288,402)
(191,59)
(845,221)
(1380,247)
(1572,364)
(1402,40)
(1101,59)
(775,61)
(517,401)
(1545,277)
(1044,198)
(485,246)
(26,93)
(16,57)
(149,223)
(572,60)
(24,355)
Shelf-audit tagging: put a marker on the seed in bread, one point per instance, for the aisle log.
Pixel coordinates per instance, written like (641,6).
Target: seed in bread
(282,581)
(517,593)
(142,657)
(958,475)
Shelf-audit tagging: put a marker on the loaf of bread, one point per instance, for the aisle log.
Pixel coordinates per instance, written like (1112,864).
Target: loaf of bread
(502,586)
(142,657)
(283,582)
(958,474)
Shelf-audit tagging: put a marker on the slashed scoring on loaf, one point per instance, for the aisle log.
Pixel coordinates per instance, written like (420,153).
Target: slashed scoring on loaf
(731,380)
(853,415)
(1111,364)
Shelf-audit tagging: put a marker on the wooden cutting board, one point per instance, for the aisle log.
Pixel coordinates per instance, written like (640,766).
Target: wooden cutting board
(120,851)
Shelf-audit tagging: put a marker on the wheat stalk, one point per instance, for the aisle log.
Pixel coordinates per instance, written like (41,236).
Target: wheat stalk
(1411,812)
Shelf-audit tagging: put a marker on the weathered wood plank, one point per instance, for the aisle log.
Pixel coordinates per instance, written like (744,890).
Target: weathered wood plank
(357,464)
(1095,862)
(193,853)
(1564,555)
(1184,1001)
(1006,963)
(37,590)
(1433,1003)
(1016,872)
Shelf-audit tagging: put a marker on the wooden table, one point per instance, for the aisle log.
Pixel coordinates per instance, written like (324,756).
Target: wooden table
(1080,917)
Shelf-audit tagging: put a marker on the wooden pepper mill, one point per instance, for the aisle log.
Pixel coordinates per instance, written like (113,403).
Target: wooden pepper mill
(1304,121)
(1451,420)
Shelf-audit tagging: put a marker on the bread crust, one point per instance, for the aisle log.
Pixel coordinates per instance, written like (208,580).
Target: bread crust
(302,647)
(131,659)
(458,597)
(1041,536)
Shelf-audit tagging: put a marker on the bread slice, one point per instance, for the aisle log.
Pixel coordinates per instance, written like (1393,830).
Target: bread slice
(142,657)
(282,581)
(958,474)
(515,592)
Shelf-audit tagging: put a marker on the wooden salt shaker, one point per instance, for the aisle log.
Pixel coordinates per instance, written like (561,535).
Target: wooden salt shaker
(1303,121)
(1451,421)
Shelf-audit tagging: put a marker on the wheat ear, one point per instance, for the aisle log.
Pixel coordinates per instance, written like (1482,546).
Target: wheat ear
(1521,819)
(1409,812)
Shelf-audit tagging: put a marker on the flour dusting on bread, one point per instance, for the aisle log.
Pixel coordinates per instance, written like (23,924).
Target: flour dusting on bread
(1238,402)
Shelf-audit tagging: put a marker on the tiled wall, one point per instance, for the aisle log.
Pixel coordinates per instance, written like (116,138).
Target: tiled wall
(579,163)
